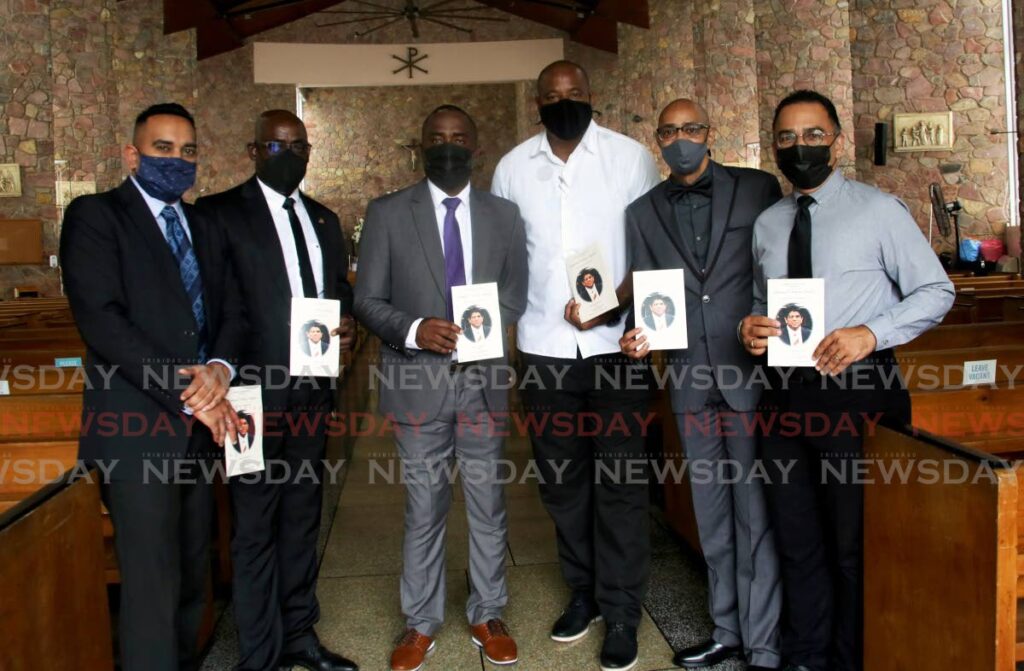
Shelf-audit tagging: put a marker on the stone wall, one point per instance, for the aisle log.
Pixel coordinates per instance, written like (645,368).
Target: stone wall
(76,72)
(356,135)
(930,57)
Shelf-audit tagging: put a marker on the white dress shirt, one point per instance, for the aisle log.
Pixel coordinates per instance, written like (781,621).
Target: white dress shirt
(660,323)
(569,206)
(275,202)
(478,333)
(795,336)
(316,350)
(463,216)
(156,206)
(593,293)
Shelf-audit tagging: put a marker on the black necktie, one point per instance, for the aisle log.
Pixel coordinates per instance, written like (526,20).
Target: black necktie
(305,267)
(800,241)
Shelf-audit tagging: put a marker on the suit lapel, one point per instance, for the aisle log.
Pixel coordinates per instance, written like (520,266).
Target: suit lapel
(265,233)
(723,194)
(327,260)
(425,223)
(142,218)
(480,214)
(667,217)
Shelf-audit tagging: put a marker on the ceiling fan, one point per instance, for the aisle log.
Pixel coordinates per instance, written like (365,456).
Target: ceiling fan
(380,16)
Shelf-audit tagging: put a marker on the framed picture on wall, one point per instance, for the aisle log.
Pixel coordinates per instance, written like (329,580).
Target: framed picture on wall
(931,131)
(10,180)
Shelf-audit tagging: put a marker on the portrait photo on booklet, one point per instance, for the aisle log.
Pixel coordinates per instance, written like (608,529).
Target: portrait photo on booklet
(314,351)
(478,312)
(591,280)
(799,306)
(246,454)
(659,304)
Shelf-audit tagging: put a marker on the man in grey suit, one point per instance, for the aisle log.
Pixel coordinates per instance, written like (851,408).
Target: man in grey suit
(417,244)
(701,219)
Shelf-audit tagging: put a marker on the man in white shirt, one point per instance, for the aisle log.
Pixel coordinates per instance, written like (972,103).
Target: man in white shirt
(572,183)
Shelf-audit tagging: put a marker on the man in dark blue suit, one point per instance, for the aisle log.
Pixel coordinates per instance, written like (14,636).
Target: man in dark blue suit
(152,300)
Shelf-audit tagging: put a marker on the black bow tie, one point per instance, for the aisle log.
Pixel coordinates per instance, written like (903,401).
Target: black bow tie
(677,190)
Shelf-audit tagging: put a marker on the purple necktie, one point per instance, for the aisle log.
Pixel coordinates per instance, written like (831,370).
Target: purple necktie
(454,264)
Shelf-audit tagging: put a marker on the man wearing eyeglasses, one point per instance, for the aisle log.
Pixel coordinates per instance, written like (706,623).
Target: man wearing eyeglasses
(701,219)
(281,244)
(884,286)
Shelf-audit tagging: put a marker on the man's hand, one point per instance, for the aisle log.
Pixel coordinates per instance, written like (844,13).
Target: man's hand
(437,335)
(634,347)
(208,388)
(755,331)
(346,331)
(221,420)
(572,315)
(843,347)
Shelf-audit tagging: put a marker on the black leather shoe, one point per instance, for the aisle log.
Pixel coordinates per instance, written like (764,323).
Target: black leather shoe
(574,622)
(707,653)
(619,650)
(317,658)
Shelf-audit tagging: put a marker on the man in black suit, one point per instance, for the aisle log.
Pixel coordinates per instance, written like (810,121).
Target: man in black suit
(702,219)
(281,244)
(147,285)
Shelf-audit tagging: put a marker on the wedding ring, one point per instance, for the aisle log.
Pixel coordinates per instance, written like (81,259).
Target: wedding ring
(752,343)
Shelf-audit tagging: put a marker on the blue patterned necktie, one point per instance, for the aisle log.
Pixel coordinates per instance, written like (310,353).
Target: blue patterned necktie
(188,267)
(454,262)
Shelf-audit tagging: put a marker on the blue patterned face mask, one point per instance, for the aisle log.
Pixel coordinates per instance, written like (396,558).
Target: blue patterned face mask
(165,178)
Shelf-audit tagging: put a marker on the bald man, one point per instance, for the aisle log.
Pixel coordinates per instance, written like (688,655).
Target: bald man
(701,219)
(281,244)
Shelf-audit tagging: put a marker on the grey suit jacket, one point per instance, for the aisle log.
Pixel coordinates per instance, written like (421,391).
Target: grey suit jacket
(717,296)
(402,278)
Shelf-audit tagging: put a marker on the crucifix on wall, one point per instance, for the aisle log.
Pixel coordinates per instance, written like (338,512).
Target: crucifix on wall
(413,147)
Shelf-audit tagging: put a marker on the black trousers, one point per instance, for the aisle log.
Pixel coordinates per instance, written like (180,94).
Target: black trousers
(590,453)
(162,540)
(814,436)
(277,520)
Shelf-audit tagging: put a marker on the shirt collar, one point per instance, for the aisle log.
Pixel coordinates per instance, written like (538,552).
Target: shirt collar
(274,199)
(438,196)
(156,206)
(588,142)
(829,189)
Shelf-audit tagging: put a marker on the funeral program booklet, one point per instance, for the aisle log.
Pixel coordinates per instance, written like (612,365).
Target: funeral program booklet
(314,351)
(246,454)
(659,306)
(593,286)
(799,306)
(478,311)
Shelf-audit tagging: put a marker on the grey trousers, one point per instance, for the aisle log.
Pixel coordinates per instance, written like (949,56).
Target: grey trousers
(744,584)
(458,438)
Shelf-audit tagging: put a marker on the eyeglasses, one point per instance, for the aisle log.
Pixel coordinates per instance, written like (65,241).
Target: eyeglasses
(300,147)
(693,130)
(812,137)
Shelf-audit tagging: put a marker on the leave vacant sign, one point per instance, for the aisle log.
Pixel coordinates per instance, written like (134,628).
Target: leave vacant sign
(980,372)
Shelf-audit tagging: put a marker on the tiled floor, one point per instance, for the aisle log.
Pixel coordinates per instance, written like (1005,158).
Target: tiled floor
(360,614)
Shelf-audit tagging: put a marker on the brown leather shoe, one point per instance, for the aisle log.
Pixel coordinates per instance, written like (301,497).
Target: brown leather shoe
(497,643)
(410,651)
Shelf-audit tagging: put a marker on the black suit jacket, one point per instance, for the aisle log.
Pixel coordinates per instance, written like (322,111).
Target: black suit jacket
(719,294)
(130,306)
(257,260)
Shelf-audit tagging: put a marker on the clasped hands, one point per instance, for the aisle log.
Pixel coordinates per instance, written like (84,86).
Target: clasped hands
(206,398)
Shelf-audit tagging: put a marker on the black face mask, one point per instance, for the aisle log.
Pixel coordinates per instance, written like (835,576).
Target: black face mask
(283,172)
(567,119)
(448,166)
(806,167)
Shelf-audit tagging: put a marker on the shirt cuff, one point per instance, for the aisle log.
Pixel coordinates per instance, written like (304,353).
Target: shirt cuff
(410,337)
(231,369)
(883,332)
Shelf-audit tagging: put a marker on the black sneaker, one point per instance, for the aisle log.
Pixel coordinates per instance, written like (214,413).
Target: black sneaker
(574,622)
(619,650)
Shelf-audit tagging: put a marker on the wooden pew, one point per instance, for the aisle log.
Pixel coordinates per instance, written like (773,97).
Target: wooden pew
(54,605)
(940,559)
